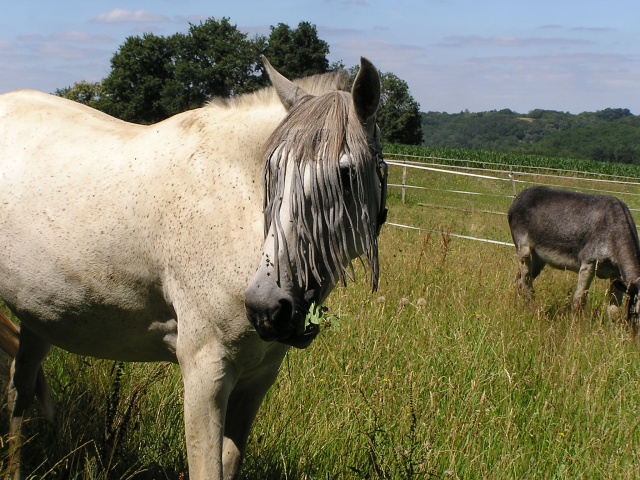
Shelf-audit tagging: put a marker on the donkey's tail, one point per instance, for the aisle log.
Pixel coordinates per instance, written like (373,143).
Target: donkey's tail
(9,341)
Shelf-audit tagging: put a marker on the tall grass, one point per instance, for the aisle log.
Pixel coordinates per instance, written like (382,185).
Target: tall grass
(439,374)
(442,375)
(111,421)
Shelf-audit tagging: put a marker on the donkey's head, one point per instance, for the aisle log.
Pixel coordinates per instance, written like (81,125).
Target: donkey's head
(631,303)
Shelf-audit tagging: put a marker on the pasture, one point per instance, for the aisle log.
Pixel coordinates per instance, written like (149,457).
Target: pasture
(439,374)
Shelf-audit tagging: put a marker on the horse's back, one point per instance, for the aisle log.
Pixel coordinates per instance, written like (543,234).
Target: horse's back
(24,107)
(68,230)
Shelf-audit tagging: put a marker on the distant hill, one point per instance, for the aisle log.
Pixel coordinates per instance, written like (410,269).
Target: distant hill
(611,135)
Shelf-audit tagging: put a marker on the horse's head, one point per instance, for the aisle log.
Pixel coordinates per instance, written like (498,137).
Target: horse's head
(324,203)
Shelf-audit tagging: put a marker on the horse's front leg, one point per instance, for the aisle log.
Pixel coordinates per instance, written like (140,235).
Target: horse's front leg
(244,404)
(207,386)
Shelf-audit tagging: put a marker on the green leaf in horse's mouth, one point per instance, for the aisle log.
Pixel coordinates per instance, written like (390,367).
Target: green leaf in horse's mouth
(317,317)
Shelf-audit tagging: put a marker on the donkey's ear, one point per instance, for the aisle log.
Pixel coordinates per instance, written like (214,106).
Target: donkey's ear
(288,91)
(366,90)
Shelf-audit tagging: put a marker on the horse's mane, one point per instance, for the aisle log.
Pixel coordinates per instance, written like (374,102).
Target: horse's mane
(313,85)
(314,135)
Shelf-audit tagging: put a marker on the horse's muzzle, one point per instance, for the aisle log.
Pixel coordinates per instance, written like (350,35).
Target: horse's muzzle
(278,321)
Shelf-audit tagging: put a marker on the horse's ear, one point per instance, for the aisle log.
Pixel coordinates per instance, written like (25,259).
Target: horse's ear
(288,92)
(366,90)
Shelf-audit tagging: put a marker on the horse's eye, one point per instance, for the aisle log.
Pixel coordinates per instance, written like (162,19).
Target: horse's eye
(346,179)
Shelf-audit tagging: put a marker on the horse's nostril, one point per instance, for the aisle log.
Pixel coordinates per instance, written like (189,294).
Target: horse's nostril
(270,316)
(283,313)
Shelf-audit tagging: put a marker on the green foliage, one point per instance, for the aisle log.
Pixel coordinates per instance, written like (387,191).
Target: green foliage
(399,115)
(82,92)
(218,60)
(299,52)
(153,78)
(141,70)
(611,135)
(616,141)
(501,160)
(317,317)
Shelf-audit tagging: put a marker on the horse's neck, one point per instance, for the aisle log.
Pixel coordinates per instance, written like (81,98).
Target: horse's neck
(234,138)
(212,158)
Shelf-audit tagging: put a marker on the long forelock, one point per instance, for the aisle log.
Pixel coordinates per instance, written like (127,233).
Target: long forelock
(314,136)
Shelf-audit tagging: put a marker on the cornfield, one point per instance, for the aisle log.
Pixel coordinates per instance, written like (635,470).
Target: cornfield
(502,161)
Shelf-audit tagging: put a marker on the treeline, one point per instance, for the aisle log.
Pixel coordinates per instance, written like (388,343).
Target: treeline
(610,135)
(154,77)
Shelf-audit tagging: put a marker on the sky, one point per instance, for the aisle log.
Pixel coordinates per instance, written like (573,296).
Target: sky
(455,55)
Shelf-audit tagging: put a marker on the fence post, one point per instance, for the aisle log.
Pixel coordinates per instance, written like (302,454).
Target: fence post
(404,181)
(513,182)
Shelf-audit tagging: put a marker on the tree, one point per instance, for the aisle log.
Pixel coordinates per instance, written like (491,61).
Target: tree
(216,59)
(82,92)
(610,135)
(141,70)
(612,114)
(153,78)
(398,116)
(297,53)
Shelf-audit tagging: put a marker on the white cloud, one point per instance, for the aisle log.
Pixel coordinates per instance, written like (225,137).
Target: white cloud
(388,57)
(80,37)
(477,41)
(128,16)
(7,45)
(66,52)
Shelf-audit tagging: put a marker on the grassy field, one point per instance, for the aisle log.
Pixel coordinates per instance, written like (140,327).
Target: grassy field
(439,374)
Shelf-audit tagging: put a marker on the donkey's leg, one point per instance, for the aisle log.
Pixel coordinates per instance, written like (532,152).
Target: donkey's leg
(22,388)
(530,267)
(585,277)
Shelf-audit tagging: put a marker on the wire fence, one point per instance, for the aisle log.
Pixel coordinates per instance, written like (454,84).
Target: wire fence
(494,177)
(497,166)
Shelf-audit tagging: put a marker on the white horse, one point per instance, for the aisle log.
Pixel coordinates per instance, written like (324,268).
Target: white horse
(141,243)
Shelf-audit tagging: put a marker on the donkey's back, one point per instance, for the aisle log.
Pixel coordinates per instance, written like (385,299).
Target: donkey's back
(593,235)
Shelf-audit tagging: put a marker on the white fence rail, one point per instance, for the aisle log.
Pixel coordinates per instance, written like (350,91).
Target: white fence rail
(516,175)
